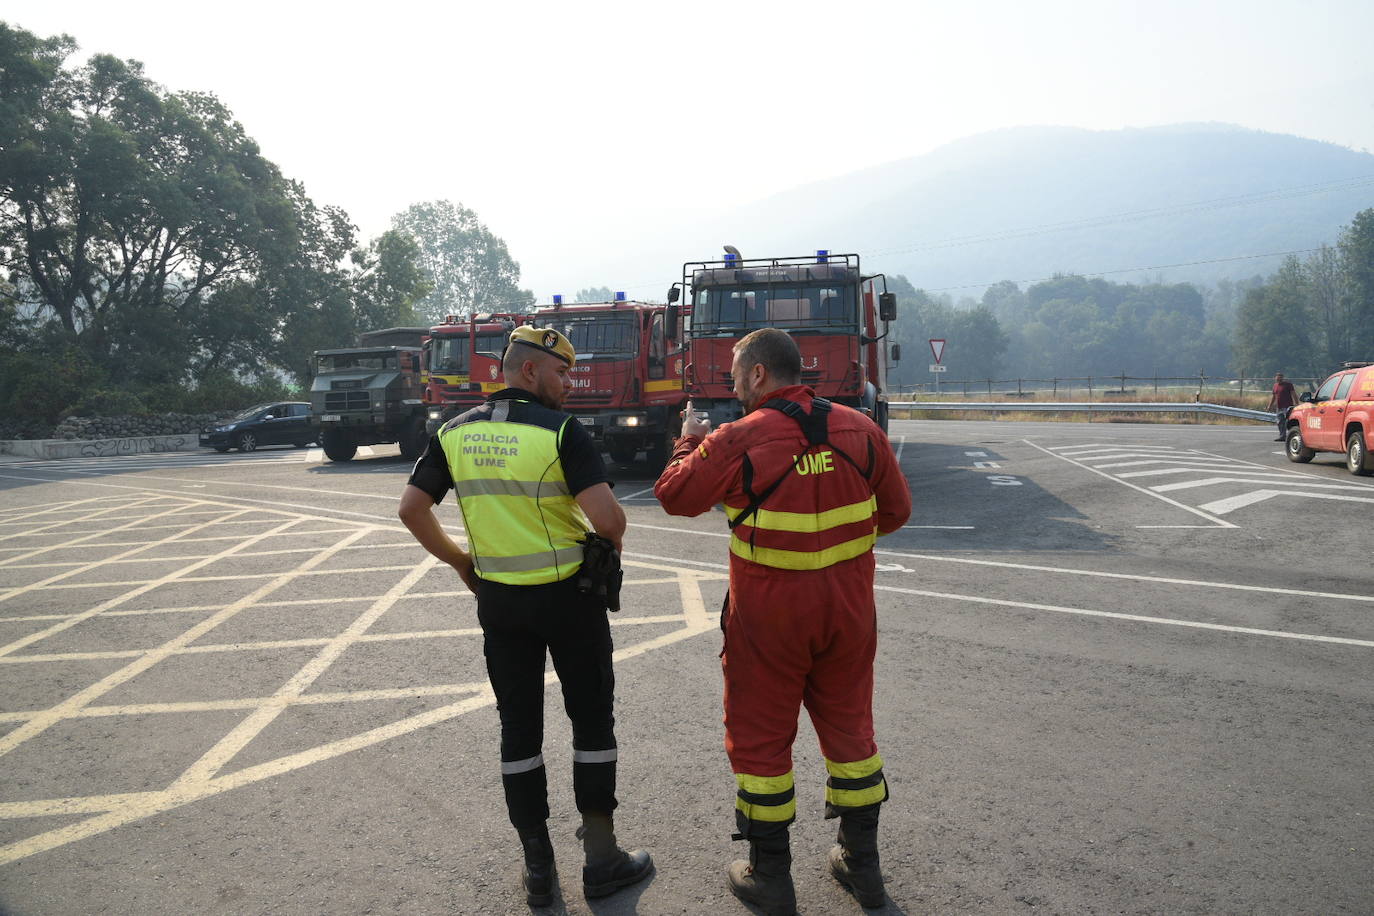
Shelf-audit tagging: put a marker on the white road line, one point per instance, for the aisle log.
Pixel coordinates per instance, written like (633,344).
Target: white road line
(1182,460)
(1231,503)
(1133,452)
(1130,577)
(1220,522)
(1208,481)
(901,444)
(1160,472)
(1138,618)
(637,493)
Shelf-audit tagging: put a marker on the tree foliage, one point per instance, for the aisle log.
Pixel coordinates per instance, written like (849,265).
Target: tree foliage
(594,294)
(146,240)
(470,269)
(1313,314)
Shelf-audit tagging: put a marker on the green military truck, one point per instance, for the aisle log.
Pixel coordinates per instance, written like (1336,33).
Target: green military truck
(370,394)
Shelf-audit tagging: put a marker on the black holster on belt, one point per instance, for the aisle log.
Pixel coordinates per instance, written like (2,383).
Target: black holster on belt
(600,575)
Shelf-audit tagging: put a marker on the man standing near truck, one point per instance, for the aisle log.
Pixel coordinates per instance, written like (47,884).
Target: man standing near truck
(1281,401)
(807,486)
(529,480)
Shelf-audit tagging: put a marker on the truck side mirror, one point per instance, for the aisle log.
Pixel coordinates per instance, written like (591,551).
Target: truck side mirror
(896,353)
(887,306)
(673,294)
(670,318)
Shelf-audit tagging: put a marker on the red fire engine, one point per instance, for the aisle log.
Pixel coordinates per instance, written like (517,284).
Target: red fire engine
(627,384)
(824,301)
(464,363)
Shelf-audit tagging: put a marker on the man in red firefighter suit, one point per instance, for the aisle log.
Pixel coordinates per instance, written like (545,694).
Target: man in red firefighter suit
(807,486)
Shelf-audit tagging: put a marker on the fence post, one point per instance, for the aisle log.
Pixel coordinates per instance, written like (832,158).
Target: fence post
(1018,388)
(1123,381)
(1242,388)
(1156,384)
(989,389)
(1201,379)
(1090,390)
(1056,389)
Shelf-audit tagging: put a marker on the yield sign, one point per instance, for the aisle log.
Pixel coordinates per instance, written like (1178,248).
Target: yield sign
(937,347)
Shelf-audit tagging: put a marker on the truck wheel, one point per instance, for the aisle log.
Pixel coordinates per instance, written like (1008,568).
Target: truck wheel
(1357,460)
(1293,446)
(621,452)
(338,444)
(247,442)
(413,439)
(659,450)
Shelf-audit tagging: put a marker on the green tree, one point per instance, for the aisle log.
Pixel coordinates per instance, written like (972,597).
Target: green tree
(143,223)
(1273,327)
(1357,255)
(470,268)
(594,294)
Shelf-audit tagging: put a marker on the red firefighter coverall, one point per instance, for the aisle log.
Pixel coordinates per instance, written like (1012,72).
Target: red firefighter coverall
(800,626)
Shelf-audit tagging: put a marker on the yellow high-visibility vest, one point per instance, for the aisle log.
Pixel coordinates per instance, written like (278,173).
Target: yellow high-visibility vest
(522,522)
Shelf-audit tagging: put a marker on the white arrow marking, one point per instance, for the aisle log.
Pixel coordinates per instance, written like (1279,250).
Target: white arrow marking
(1230,504)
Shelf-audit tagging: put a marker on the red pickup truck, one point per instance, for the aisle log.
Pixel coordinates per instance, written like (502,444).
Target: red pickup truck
(1338,418)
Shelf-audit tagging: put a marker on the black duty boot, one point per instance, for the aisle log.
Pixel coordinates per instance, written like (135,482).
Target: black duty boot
(538,873)
(608,868)
(766,879)
(854,862)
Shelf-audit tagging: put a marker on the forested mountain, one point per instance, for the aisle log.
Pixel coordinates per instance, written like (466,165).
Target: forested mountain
(1027,203)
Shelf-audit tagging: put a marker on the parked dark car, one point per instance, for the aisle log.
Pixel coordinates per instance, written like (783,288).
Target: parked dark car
(282,423)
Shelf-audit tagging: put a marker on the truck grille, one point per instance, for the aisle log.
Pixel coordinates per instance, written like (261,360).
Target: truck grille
(338,401)
(590,399)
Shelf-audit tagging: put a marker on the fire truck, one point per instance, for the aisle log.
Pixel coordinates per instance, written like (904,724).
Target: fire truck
(627,384)
(463,360)
(835,312)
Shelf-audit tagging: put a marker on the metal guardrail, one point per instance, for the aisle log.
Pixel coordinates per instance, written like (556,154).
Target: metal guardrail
(1243,413)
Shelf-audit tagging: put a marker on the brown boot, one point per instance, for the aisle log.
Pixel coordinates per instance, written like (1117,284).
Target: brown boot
(608,868)
(854,862)
(765,880)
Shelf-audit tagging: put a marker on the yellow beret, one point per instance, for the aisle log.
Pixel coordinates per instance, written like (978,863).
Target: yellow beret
(546,339)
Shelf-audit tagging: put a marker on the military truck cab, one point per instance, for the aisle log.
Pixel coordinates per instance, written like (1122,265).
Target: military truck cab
(368,395)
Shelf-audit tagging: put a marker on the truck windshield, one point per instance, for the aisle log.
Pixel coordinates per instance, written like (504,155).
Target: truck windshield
(450,355)
(335,362)
(492,343)
(722,311)
(599,337)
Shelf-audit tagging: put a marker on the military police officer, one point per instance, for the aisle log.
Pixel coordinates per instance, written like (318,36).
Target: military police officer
(530,484)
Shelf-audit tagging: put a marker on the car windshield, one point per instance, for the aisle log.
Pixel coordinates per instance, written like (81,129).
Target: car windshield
(334,362)
(250,413)
(597,337)
(820,309)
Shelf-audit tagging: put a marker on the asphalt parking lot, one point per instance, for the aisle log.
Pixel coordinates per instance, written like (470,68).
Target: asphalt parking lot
(1122,669)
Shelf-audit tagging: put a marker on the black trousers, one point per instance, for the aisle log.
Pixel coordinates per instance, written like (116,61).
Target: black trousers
(519,625)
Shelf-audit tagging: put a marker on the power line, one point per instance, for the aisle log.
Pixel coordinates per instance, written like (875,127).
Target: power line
(1217,203)
(1128,270)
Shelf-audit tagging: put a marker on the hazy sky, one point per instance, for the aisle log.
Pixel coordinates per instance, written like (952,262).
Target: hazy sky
(577,127)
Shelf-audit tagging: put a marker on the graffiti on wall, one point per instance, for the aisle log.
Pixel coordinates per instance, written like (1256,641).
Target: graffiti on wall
(136,445)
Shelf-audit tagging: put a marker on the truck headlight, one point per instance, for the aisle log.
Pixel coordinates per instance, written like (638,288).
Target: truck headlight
(634,419)
(436,414)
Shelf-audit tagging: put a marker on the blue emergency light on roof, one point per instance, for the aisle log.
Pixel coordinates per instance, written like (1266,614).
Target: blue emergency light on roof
(557,299)
(619,296)
(822,255)
(729,258)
